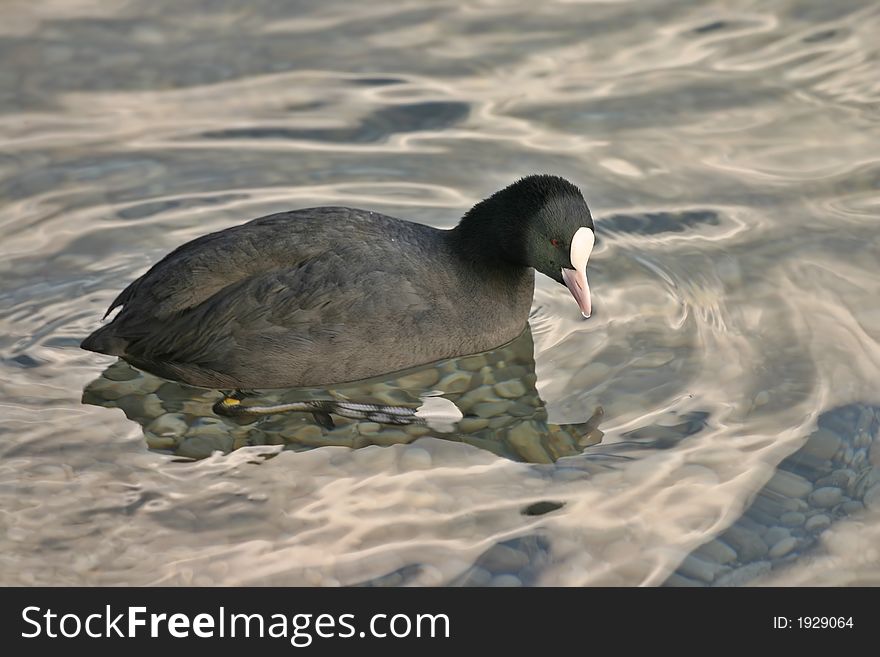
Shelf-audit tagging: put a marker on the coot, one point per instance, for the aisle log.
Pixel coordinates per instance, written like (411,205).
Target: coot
(327,295)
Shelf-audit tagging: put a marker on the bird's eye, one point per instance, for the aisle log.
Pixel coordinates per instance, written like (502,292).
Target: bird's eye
(554,242)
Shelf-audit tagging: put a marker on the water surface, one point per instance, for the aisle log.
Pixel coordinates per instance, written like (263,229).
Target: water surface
(729,153)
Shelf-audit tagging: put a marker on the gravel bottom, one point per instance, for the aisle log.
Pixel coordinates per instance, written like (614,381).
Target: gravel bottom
(834,475)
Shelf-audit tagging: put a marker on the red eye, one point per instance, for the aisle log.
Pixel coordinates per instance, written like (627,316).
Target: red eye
(554,242)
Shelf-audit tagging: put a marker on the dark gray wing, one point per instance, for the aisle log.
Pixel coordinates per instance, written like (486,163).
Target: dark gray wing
(195,271)
(283,303)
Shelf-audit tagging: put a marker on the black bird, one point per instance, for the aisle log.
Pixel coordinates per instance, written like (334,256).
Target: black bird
(327,295)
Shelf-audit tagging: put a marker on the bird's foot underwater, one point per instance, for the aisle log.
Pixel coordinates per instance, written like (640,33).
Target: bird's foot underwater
(236,405)
(231,404)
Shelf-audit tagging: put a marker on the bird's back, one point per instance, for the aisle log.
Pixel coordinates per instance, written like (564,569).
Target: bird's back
(310,297)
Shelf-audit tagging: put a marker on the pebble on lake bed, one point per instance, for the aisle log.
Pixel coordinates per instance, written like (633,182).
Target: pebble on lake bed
(477,396)
(475,576)
(503,559)
(168,424)
(826,497)
(748,544)
(745,574)
(717,550)
(489,409)
(369,428)
(472,424)
(160,442)
(109,390)
(793,519)
(783,547)
(200,447)
(817,523)
(510,389)
(789,484)
(507,581)
(776,534)
(852,506)
(421,379)
(823,444)
(307,434)
(207,426)
(472,363)
(525,438)
(701,569)
(456,382)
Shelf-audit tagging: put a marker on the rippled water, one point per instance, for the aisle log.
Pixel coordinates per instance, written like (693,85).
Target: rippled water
(729,153)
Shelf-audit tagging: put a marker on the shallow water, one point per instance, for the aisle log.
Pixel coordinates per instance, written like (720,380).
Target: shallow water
(729,153)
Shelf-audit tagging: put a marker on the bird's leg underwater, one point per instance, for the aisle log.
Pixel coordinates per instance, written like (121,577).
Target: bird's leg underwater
(232,406)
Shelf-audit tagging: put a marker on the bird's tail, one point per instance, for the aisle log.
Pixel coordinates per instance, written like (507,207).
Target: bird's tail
(105,341)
